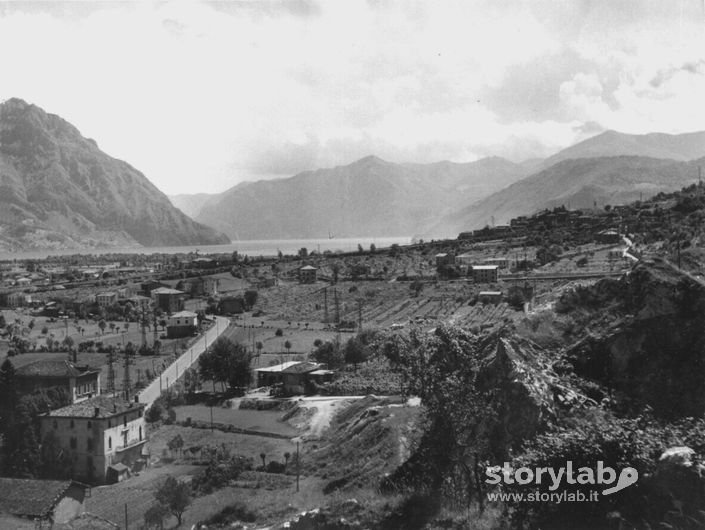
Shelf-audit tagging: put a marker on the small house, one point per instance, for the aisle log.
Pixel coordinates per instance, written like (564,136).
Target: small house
(485,273)
(49,501)
(181,324)
(308,274)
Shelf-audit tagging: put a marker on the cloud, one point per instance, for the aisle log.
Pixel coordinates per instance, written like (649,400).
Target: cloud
(202,95)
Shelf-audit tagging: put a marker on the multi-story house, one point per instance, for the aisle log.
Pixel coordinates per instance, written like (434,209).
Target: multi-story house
(98,434)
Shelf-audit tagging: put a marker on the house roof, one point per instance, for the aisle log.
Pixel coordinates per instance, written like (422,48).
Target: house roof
(53,368)
(31,498)
(308,268)
(107,407)
(167,290)
(277,367)
(490,293)
(184,314)
(484,267)
(301,368)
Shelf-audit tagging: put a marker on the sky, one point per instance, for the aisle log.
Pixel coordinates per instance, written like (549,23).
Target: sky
(200,96)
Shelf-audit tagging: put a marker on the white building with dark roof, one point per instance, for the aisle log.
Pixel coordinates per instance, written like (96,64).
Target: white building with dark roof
(97,434)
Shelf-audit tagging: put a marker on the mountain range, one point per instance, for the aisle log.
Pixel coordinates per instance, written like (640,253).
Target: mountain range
(370,197)
(59,190)
(373,197)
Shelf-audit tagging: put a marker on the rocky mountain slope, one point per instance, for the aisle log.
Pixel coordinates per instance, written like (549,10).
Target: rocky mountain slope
(578,183)
(59,190)
(370,197)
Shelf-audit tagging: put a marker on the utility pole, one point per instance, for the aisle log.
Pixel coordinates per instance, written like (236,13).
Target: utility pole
(111,371)
(325,305)
(337,306)
(127,383)
(298,466)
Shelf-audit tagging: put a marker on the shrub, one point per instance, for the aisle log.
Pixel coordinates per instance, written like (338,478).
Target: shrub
(154,413)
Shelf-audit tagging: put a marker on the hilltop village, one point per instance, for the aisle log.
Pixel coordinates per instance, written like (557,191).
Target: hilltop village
(242,391)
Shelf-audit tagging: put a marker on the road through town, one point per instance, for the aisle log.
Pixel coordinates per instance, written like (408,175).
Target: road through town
(169,376)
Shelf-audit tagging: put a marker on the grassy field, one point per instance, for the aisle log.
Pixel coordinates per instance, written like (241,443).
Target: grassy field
(254,420)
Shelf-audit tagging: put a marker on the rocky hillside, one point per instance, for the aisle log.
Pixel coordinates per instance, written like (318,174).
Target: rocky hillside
(576,183)
(59,190)
(370,197)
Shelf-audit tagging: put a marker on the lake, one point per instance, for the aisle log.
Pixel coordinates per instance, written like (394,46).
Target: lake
(252,248)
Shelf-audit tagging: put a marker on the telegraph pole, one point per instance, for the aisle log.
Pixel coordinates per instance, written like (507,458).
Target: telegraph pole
(325,305)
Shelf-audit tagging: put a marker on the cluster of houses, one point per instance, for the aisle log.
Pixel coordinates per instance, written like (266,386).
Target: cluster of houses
(103,436)
(602,226)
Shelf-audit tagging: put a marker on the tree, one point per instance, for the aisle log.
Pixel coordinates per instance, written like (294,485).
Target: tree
(8,389)
(3,323)
(191,381)
(259,347)
(373,248)
(279,332)
(251,298)
(336,271)
(287,345)
(155,515)
(356,352)
(226,362)
(176,444)
(328,353)
(174,496)
(111,326)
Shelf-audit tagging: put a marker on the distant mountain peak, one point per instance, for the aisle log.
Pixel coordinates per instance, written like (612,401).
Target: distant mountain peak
(370,160)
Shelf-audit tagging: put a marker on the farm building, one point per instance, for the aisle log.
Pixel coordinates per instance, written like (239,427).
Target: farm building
(80,382)
(271,375)
(98,433)
(294,376)
(41,501)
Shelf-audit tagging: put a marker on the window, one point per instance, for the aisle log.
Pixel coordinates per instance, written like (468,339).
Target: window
(73,443)
(124,420)
(139,413)
(110,442)
(140,434)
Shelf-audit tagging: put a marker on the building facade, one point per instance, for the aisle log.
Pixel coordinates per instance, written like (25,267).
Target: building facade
(97,434)
(485,273)
(81,382)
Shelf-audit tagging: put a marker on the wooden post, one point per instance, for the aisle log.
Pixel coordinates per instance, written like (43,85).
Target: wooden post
(125,516)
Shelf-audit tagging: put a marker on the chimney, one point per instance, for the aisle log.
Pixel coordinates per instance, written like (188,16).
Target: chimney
(96,412)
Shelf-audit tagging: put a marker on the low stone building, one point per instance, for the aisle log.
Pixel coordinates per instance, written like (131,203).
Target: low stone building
(43,502)
(308,274)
